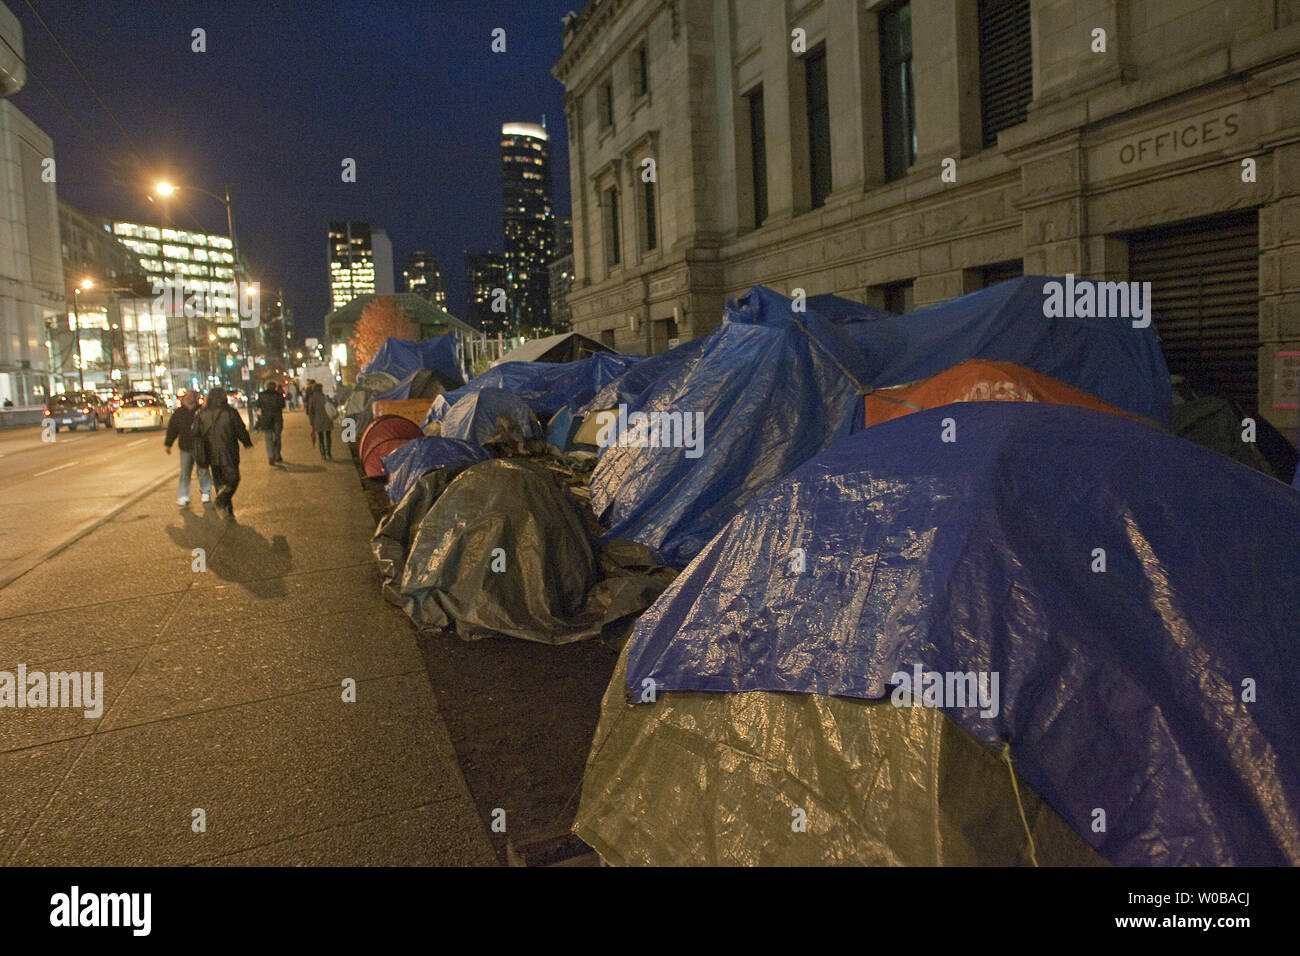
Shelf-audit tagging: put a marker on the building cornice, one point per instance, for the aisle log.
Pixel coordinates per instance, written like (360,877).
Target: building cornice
(584,29)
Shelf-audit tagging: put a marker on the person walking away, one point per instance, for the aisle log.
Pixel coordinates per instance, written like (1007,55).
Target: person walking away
(179,428)
(218,432)
(270,410)
(321,423)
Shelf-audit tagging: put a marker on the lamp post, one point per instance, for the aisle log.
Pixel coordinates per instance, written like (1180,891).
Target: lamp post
(76,331)
(165,189)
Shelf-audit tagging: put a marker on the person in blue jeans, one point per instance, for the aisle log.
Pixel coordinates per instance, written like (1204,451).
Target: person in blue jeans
(180,427)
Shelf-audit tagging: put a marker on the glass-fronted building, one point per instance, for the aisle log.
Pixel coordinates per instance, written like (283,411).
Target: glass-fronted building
(352,262)
(530,226)
(152,343)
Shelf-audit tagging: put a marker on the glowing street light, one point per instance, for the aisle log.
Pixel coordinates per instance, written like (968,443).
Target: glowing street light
(165,189)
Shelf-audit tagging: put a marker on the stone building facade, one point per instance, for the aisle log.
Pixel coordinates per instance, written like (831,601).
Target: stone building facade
(804,144)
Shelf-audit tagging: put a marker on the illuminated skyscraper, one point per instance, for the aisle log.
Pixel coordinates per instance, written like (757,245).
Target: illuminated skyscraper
(422,275)
(352,262)
(530,227)
(484,273)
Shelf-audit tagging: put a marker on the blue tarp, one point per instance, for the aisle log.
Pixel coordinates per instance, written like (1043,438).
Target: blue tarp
(547,386)
(632,384)
(1105,357)
(560,429)
(473,417)
(760,421)
(846,312)
(390,373)
(419,456)
(1120,689)
(770,388)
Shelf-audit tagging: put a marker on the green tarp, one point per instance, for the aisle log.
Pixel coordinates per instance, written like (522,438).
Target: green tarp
(713,779)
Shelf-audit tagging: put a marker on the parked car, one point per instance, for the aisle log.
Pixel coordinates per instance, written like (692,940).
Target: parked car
(72,410)
(140,410)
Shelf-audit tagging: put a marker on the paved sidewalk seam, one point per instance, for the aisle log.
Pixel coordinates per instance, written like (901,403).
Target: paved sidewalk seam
(94,525)
(97,732)
(336,826)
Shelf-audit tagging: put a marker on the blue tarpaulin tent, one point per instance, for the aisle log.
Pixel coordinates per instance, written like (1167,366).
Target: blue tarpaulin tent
(1143,632)
(547,386)
(398,362)
(770,388)
(420,456)
(1106,357)
(474,417)
(632,384)
(765,408)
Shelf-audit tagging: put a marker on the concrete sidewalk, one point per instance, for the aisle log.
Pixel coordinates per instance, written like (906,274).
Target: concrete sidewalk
(223,690)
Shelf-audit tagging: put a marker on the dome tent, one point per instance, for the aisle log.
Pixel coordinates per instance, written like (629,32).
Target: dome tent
(1119,690)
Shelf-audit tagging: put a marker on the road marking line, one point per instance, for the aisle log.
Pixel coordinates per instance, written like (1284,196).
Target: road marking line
(138,441)
(58,468)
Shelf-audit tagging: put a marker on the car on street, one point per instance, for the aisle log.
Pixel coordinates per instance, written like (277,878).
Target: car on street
(140,410)
(71,410)
(101,406)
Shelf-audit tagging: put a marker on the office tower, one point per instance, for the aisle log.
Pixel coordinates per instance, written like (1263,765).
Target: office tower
(484,273)
(352,262)
(423,275)
(529,226)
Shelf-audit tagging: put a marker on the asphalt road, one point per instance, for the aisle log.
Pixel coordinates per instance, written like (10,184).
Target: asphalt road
(51,491)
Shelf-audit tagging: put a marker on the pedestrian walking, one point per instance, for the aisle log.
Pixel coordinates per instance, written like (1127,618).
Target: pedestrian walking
(218,432)
(179,429)
(322,423)
(270,419)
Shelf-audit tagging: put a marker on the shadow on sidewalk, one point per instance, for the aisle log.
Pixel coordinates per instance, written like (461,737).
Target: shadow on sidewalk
(241,555)
(300,469)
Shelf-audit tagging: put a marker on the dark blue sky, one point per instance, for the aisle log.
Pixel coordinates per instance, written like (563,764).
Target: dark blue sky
(285,91)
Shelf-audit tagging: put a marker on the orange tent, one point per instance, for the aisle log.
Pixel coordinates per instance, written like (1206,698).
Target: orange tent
(980,380)
(412,409)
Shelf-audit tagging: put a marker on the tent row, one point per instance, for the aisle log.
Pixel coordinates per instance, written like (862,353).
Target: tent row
(975,500)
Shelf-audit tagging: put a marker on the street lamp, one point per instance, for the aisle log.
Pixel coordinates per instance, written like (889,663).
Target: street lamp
(76,330)
(164,189)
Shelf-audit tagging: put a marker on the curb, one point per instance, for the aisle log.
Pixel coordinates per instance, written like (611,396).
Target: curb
(82,532)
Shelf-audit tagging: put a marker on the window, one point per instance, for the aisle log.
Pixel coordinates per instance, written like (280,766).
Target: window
(758,155)
(1000,272)
(898,296)
(605,104)
(607,337)
(641,70)
(614,254)
(665,332)
(1006,66)
(899,120)
(650,240)
(819,126)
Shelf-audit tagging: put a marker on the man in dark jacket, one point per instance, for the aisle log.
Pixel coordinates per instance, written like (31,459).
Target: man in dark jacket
(270,410)
(182,421)
(218,432)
